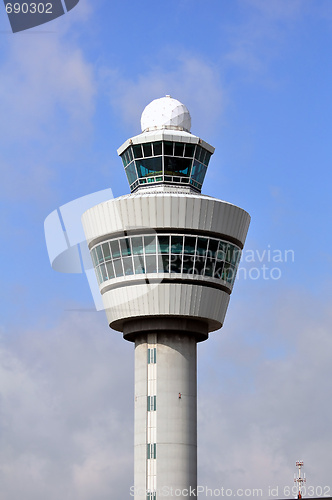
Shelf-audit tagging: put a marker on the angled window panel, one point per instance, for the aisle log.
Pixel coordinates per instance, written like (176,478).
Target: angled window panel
(110,270)
(235,256)
(213,247)
(188,264)
(137,245)
(130,154)
(106,251)
(103,272)
(163,242)
(225,271)
(115,249)
(176,263)
(125,247)
(99,276)
(178,149)
(218,269)
(150,244)
(94,257)
(151,263)
(128,266)
(209,267)
(131,173)
(189,150)
(229,253)
(147,149)
(198,173)
(221,254)
(176,244)
(202,244)
(189,245)
(147,167)
(118,268)
(139,265)
(137,150)
(199,265)
(100,256)
(168,148)
(157,148)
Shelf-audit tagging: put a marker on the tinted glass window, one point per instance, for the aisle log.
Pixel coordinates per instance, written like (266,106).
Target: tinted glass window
(147,148)
(207,158)
(99,254)
(163,242)
(229,253)
(139,265)
(221,255)
(157,148)
(177,166)
(189,244)
(176,244)
(94,257)
(128,266)
(189,150)
(150,244)
(178,149)
(213,247)
(175,263)
(188,264)
(137,151)
(168,148)
(165,263)
(99,276)
(118,267)
(199,265)
(131,173)
(115,249)
(137,245)
(218,269)
(198,153)
(110,270)
(130,154)
(201,246)
(124,159)
(103,272)
(106,250)
(125,247)
(198,172)
(151,264)
(149,166)
(209,267)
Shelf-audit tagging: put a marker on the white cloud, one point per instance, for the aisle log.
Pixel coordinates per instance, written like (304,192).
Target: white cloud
(266,395)
(66,429)
(47,91)
(66,393)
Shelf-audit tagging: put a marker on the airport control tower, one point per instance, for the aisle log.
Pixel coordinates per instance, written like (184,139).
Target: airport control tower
(165,257)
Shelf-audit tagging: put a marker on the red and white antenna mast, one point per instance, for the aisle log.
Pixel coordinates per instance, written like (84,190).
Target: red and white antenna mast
(299,479)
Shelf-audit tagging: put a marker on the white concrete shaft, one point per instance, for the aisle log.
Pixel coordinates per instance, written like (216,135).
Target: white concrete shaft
(172,426)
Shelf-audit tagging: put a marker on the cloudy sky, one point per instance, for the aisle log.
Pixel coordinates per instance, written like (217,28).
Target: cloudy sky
(256,76)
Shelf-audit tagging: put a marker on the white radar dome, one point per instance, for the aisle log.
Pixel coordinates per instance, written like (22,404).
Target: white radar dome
(166,112)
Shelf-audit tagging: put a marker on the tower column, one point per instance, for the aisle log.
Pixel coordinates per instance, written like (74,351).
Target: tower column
(166,410)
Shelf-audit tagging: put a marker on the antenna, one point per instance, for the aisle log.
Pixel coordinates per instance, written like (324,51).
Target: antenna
(299,479)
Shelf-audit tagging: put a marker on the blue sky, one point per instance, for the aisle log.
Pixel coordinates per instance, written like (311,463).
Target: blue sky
(256,76)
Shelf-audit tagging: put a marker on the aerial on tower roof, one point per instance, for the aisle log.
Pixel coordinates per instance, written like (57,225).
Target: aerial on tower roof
(166,112)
